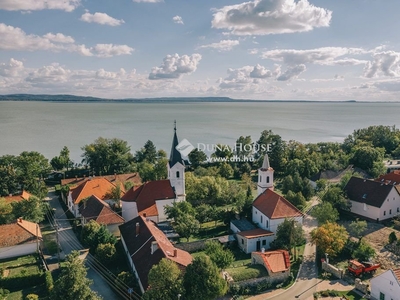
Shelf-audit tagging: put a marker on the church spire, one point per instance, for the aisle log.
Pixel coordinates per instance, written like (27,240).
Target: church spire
(175,155)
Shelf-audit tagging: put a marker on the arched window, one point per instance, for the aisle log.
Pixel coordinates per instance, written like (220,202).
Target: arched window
(260,178)
(267,179)
(177,174)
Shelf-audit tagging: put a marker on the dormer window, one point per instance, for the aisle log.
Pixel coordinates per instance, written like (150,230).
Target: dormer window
(364,196)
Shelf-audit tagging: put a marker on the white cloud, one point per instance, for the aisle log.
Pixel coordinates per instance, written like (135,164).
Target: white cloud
(108,50)
(27,5)
(325,55)
(48,74)
(59,38)
(224,45)
(386,63)
(174,66)
(11,69)
(261,72)
(344,62)
(14,38)
(103,74)
(101,18)
(388,86)
(261,17)
(292,72)
(177,20)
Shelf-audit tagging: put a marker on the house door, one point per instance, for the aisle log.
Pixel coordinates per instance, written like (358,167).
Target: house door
(258,245)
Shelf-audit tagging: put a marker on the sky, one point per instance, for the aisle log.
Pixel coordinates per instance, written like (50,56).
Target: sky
(257,49)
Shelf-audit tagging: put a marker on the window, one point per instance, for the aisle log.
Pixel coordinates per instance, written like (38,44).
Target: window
(381,296)
(266,224)
(398,209)
(177,174)
(384,212)
(261,219)
(242,241)
(390,212)
(260,178)
(267,179)
(264,242)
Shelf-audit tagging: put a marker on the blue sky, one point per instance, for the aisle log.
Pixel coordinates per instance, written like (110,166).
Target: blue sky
(260,49)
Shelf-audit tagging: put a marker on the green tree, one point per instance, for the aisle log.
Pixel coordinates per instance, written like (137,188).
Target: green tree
(9,181)
(330,238)
(93,234)
(297,199)
(147,153)
(289,234)
(364,157)
(178,209)
(392,237)
(244,146)
(221,257)
(225,170)
(62,161)
(108,156)
(357,228)
(6,209)
(334,196)
(186,225)
(325,213)
(106,253)
(165,281)
(31,209)
(30,167)
(197,158)
(72,283)
(364,252)
(202,280)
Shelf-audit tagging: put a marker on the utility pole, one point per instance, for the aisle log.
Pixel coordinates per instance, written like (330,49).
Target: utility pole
(58,244)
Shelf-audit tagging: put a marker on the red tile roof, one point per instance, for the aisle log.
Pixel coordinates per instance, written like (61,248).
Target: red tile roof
(16,198)
(98,210)
(390,178)
(396,273)
(19,232)
(99,187)
(254,233)
(122,178)
(275,206)
(146,195)
(139,247)
(275,261)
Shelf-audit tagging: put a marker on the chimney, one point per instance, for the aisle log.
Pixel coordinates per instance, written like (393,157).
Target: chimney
(154,246)
(144,215)
(175,252)
(10,195)
(137,228)
(19,220)
(115,176)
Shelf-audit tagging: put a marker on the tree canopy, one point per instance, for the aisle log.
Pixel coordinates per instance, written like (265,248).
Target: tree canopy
(330,238)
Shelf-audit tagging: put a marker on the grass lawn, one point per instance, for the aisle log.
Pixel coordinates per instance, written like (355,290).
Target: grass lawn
(247,272)
(350,295)
(208,230)
(21,295)
(24,264)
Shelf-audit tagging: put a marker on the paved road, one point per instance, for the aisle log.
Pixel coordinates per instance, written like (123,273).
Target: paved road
(69,242)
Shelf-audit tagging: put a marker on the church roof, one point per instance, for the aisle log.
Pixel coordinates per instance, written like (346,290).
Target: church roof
(147,194)
(266,166)
(274,206)
(175,156)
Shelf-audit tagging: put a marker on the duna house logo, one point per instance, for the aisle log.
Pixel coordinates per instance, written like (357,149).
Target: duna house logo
(184,147)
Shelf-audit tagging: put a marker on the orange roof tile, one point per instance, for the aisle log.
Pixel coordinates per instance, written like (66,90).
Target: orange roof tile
(122,178)
(275,206)
(16,198)
(99,187)
(254,233)
(146,195)
(396,273)
(390,178)
(19,232)
(276,261)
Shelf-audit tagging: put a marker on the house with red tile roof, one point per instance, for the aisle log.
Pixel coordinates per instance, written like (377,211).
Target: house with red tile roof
(19,238)
(375,200)
(276,262)
(386,285)
(17,198)
(93,208)
(151,198)
(133,178)
(392,178)
(97,186)
(269,210)
(145,245)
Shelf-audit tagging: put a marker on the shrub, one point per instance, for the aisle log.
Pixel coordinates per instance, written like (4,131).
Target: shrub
(49,281)
(32,297)
(21,282)
(392,237)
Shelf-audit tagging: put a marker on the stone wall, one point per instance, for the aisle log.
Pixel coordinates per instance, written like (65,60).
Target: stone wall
(361,286)
(332,269)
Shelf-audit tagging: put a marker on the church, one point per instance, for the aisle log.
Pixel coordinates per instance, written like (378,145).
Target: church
(269,209)
(150,198)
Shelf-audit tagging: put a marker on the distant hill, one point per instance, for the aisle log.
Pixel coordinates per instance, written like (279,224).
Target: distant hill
(73,98)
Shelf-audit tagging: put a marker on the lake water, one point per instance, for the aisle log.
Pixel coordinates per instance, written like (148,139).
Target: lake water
(48,126)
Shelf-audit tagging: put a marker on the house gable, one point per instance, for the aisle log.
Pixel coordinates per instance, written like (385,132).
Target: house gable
(19,232)
(96,209)
(100,187)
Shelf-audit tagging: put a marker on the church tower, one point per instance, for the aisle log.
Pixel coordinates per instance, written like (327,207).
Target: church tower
(176,169)
(265,176)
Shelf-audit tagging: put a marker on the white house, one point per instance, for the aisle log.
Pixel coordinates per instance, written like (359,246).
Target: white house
(375,200)
(19,238)
(269,210)
(151,198)
(386,286)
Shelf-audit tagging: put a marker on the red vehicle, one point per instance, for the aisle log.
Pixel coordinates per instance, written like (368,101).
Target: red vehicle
(356,268)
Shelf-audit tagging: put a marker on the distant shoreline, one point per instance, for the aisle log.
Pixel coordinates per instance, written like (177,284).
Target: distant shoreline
(83,99)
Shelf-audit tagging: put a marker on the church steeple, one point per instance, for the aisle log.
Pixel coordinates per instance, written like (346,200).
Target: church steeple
(175,155)
(176,169)
(265,176)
